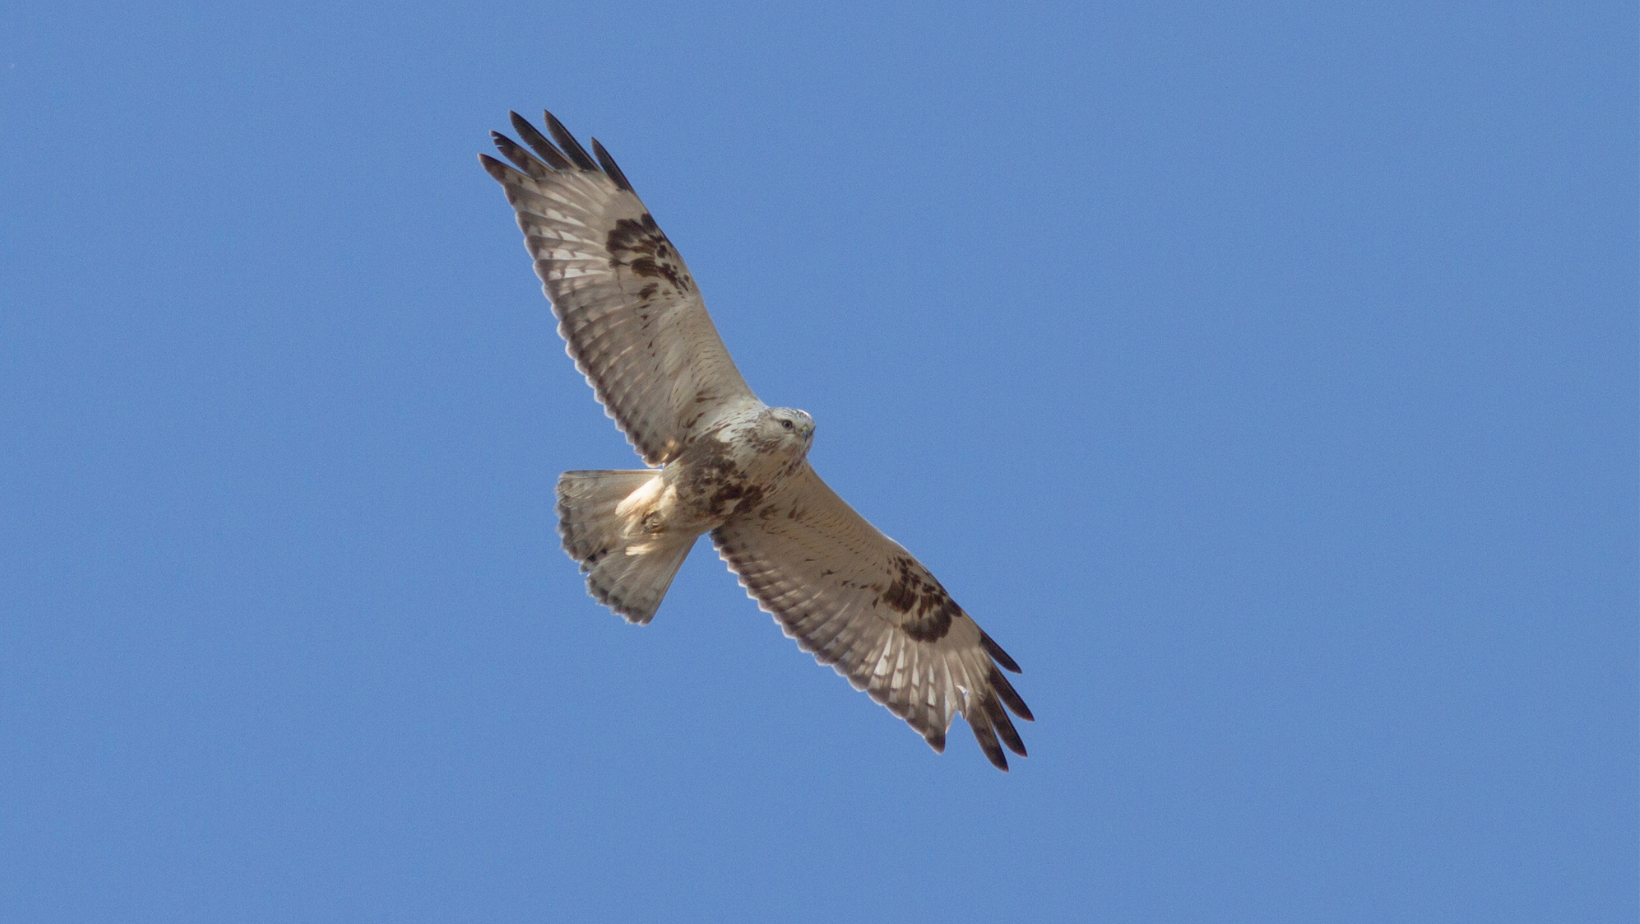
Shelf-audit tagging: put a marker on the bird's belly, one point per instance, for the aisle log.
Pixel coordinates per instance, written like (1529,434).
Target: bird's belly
(715,479)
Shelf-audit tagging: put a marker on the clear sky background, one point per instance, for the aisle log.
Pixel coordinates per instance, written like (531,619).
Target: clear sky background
(1261,376)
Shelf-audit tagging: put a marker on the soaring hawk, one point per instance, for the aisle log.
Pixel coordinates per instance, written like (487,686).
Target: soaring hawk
(723,462)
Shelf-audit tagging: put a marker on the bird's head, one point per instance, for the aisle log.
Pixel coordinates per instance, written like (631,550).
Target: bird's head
(788,428)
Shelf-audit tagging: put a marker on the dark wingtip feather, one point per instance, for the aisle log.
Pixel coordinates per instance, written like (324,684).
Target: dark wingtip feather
(567,141)
(492,166)
(987,738)
(520,157)
(1010,696)
(996,652)
(1003,726)
(610,167)
(503,174)
(936,740)
(538,142)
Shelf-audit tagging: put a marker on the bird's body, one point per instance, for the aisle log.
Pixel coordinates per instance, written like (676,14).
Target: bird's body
(726,463)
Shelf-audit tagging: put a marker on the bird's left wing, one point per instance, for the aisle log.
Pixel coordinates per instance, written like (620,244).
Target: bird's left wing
(860,602)
(627,307)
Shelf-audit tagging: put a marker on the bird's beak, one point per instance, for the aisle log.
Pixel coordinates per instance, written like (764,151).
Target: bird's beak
(808,430)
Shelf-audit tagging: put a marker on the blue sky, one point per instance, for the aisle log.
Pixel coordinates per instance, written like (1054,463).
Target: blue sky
(1262,376)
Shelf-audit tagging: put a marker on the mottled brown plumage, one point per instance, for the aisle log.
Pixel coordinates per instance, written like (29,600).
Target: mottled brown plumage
(726,464)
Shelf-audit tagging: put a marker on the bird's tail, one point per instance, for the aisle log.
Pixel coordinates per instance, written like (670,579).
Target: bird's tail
(603,519)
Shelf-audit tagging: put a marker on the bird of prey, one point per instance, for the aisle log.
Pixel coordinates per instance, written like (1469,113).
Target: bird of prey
(722,462)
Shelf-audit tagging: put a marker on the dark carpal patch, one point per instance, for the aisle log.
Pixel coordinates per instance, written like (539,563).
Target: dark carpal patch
(915,593)
(639,245)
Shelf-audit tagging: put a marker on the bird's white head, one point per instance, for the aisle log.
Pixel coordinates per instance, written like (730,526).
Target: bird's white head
(787,429)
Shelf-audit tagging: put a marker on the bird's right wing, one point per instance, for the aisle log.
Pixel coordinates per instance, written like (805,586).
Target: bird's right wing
(628,309)
(860,602)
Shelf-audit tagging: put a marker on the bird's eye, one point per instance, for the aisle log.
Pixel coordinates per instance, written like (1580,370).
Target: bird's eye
(786,423)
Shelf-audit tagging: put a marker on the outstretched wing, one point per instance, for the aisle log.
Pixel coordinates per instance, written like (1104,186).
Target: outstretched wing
(861,603)
(627,307)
